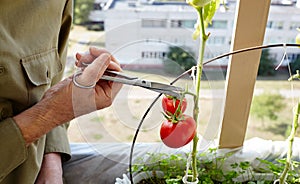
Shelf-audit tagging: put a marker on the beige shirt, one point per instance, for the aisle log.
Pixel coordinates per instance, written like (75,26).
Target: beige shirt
(33,45)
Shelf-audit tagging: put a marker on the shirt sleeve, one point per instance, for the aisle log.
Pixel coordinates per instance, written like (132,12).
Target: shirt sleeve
(11,142)
(57,139)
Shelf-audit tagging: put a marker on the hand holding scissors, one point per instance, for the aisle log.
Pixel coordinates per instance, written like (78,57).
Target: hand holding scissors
(120,77)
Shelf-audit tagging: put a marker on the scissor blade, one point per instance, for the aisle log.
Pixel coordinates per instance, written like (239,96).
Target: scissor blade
(178,95)
(133,82)
(157,85)
(119,74)
(154,86)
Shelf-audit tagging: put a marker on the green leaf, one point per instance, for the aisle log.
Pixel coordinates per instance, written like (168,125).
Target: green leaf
(209,11)
(198,3)
(196,32)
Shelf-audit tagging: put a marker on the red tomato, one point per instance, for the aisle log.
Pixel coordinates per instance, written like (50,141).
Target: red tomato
(170,105)
(176,135)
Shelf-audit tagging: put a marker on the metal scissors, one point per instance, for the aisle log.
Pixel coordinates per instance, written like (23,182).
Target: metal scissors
(150,85)
(134,81)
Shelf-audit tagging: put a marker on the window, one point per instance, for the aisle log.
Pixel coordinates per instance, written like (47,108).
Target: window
(275,25)
(153,23)
(176,23)
(293,56)
(294,25)
(183,23)
(218,24)
(97,6)
(153,54)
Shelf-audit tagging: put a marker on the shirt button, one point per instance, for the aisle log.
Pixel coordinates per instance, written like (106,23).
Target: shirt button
(2,70)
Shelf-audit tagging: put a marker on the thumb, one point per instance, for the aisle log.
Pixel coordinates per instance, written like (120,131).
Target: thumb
(93,72)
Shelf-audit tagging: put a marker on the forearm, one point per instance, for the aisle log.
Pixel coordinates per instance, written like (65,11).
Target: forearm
(52,160)
(53,110)
(64,101)
(51,169)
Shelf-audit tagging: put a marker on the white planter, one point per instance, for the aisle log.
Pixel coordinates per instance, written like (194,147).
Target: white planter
(139,177)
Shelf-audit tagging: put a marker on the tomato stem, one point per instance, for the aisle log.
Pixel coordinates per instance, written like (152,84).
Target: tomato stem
(290,139)
(197,96)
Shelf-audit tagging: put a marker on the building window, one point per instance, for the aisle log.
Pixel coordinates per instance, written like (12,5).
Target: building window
(97,6)
(275,25)
(154,23)
(176,23)
(183,23)
(216,40)
(153,55)
(293,56)
(218,24)
(294,25)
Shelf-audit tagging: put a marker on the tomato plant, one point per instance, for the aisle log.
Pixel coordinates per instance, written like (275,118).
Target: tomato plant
(170,105)
(198,3)
(298,38)
(176,134)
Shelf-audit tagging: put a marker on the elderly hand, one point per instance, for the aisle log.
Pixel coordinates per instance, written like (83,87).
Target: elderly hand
(65,101)
(104,92)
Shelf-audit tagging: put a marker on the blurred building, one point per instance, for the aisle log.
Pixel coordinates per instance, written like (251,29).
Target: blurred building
(140,32)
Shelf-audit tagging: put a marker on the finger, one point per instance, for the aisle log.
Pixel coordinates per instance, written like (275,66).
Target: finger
(78,56)
(97,52)
(95,70)
(84,59)
(114,66)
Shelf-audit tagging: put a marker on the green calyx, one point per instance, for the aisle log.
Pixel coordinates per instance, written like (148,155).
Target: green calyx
(174,118)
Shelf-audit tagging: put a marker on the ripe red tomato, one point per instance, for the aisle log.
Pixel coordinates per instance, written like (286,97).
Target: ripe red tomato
(176,135)
(170,105)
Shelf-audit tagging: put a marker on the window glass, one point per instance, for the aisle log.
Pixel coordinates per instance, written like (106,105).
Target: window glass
(153,54)
(183,23)
(218,24)
(294,25)
(275,25)
(153,23)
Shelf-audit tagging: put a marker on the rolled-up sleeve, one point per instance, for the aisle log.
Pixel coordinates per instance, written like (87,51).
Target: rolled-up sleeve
(57,141)
(11,142)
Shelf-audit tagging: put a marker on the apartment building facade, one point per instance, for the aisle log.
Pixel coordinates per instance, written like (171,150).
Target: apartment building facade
(141,32)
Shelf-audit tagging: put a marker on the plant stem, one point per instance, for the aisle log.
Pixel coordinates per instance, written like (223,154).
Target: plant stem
(287,167)
(196,98)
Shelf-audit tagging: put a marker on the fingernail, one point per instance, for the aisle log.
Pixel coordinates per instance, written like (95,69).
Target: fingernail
(78,56)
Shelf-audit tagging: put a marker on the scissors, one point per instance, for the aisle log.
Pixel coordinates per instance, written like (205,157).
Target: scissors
(135,81)
(120,77)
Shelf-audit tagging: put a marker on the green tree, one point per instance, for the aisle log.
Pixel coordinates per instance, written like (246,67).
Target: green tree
(178,60)
(295,65)
(267,64)
(82,9)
